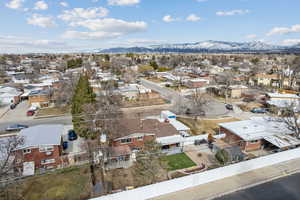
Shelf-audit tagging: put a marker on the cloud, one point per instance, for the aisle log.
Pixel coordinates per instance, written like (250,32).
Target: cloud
(251,36)
(81,13)
(15,44)
(64,4)
(40,5)
(105,28)
(232,12)
(41,21)
(284,30)
(90,35)
(289,42)
(193,18)
(169,18)
(15,4)
(111,25)
(123,2)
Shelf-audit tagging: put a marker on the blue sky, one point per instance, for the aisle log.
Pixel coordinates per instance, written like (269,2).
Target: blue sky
(68,25)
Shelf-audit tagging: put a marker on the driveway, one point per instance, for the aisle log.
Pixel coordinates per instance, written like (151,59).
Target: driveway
(17,114)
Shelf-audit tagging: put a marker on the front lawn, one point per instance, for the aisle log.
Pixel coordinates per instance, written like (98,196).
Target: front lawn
(53,111)
(178,161)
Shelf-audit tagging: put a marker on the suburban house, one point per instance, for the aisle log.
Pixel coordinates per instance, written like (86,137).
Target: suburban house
(283,100)
(197,82)
(119,157)
(42,146)
(264,80)
(258,133)
(39,98)
(134,133)
(9,95)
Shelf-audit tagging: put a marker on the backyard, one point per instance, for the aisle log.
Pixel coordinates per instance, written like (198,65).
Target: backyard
(178,161)
(203,126)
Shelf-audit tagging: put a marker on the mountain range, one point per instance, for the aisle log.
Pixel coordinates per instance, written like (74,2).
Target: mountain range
(209,46)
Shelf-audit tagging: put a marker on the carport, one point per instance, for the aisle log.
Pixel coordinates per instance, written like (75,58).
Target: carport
(282,141)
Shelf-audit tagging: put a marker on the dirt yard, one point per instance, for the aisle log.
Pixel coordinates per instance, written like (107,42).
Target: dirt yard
(203,126)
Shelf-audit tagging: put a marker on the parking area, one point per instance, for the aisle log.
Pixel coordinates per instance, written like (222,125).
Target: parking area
(75,146)
(17,114)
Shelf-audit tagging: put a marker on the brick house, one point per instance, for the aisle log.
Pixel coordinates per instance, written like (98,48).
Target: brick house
(39,98)
(197,82)
(134,132)
(257,133)
(42,146)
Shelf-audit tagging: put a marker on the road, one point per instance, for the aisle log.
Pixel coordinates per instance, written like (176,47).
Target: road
(18,116)
(283,188)
(66,120)
(164,92)
(213,109)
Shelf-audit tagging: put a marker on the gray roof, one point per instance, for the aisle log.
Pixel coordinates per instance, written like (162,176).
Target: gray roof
(42,135)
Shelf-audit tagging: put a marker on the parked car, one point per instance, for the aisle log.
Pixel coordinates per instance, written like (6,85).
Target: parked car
(65,145)
(259,110)
(249,99)
(72,135)
(229,107)
(16,127)
(30,113)
(13,106)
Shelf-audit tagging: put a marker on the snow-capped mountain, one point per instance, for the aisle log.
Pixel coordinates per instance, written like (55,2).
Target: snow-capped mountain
(209,46)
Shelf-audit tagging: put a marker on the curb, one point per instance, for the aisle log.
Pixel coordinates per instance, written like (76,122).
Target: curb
(284,174)
(48,116)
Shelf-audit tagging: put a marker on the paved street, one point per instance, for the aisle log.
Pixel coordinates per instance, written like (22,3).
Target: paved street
(284,188)
(213,109)
(164,92)
(67,120)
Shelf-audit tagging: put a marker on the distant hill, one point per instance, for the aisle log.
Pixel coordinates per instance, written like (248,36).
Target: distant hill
(209,46)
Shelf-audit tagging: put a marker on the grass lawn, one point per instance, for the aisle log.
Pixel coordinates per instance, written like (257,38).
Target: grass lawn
(52,111)
(71,183)
(178,161)
(204,125)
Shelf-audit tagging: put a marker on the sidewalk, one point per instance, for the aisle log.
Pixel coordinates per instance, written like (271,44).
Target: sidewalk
(235,183)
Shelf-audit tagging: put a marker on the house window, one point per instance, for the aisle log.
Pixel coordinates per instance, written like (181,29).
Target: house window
(140,138)
(125,141)
(253,141)
(46,148)
(47,161)
(26,151)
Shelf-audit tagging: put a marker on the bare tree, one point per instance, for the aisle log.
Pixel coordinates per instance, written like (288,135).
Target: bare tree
(199,100)
(149,164)
(8,145)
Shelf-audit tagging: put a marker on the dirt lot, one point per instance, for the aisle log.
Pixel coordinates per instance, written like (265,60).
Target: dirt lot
(202,126)
(71,183)
(52,111)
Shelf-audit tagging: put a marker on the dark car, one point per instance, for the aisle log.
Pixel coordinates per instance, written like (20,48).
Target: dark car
(229,107)
(30,113)
(259,110)
(72,135)
(65,145)
(13,106)
(248,99)
(16,127)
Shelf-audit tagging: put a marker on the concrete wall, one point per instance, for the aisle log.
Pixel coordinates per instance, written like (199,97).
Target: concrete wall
(178,184)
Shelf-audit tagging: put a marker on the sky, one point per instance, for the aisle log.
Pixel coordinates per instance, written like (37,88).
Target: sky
(74,25)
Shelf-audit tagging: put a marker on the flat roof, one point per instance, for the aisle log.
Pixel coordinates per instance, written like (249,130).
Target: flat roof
(256,128)
(282,141)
